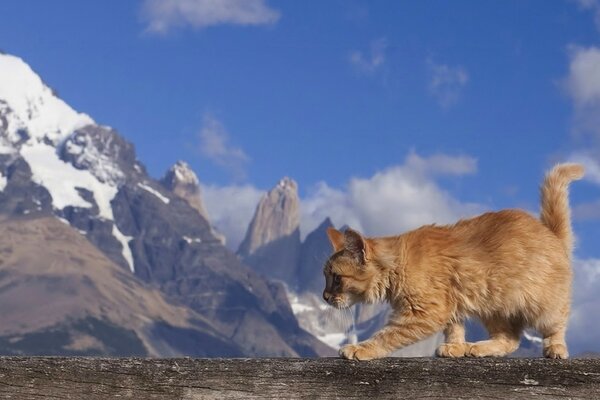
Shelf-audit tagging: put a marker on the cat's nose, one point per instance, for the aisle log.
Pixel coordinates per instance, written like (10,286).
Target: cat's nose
(326,296)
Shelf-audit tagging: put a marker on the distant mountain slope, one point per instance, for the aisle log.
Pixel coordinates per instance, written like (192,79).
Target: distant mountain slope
(60,295)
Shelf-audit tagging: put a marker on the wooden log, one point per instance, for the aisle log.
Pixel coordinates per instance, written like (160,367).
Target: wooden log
(325,378)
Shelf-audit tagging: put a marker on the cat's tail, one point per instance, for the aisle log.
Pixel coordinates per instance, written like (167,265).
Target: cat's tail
(555,213)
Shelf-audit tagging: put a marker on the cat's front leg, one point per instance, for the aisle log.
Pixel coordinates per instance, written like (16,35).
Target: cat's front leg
(402,330)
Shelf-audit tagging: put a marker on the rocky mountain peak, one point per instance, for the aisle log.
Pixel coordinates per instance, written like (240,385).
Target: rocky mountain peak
(181,173)
(183,182)
(272,241)
(288,184)
(277,215)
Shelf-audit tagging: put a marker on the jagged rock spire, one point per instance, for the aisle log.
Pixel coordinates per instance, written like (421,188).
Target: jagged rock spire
(272,241)
(277,216)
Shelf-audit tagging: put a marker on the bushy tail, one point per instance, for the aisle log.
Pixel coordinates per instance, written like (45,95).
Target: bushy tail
(555,212)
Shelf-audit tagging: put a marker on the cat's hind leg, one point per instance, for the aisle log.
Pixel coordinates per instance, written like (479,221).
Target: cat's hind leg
(454,341)
(504,338)
(553,330)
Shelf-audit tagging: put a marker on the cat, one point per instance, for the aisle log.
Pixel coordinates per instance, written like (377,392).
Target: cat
(507,268)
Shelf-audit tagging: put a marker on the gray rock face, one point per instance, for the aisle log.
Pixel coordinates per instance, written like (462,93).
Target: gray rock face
(182,181)
(272,242)
(104,152)
(21,196)
(315,250)
(174,248)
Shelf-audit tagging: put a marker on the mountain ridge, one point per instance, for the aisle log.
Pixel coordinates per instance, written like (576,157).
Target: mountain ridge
(65,166)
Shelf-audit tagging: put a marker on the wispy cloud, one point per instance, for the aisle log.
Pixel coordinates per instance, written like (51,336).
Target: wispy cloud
(371,61)
(162,16)
(214,145)
(583,86)
(590,210)
(593,6)
(446,83)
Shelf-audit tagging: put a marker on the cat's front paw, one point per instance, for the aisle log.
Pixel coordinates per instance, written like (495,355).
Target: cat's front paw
(359,352)
(452,349)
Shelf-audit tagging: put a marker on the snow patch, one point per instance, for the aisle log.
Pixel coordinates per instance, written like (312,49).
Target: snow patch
(6,149)
(184,174)
(190,240)
(155,192)
(330,326)
(3,182)
(532,338)
(298,307)
(126,250)
(62,180)
(334,340)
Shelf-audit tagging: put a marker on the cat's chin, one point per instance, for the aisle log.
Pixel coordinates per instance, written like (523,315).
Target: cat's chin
(340,305)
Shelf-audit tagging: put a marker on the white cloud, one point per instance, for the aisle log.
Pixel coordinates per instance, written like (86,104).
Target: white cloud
(583,82)
(394,200)
(230,209)
(446,83)
(583,86)
(370,62)
(164,15)
(214,145)
(390,202)
(584,322)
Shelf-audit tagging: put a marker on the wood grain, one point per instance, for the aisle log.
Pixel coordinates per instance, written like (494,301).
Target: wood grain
(324,378)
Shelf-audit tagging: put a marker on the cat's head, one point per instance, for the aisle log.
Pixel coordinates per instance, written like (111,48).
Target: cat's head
(349,272)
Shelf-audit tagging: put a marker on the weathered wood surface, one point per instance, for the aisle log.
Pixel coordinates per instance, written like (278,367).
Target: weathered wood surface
(327,378)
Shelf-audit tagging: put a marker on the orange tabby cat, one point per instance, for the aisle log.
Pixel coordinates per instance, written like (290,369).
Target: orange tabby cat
(507,268)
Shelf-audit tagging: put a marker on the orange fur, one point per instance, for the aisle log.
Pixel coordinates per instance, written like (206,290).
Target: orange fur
(507,268)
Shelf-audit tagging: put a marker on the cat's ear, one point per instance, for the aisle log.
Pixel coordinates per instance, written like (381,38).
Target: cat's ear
(356,244)
(336,238)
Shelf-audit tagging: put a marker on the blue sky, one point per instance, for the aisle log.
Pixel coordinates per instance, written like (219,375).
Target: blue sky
(389,114)
(325,91)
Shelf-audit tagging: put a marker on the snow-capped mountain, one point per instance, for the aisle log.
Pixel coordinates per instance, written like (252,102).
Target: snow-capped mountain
(58,163)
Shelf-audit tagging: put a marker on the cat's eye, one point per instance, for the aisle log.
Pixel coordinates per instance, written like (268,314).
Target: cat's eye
(336,279)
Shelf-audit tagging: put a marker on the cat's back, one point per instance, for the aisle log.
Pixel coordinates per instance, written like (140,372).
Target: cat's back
(503,224)
(510,235)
